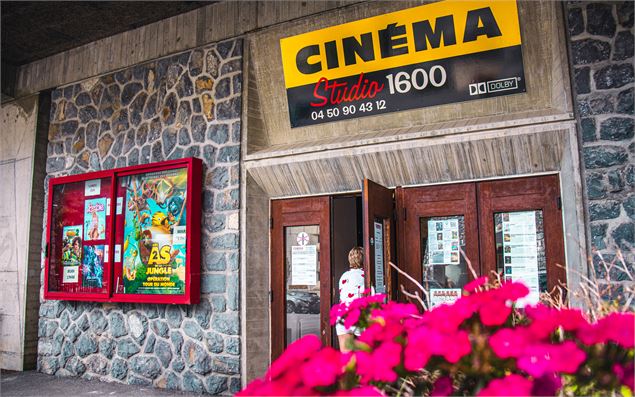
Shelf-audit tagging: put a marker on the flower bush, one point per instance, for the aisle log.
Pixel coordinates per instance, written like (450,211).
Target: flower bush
(479,345)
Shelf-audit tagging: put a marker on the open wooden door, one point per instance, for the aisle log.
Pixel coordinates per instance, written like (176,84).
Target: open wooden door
(300,271)
(379,237)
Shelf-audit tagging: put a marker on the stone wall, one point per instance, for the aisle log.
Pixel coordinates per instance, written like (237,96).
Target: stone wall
(601,45)
(184,105)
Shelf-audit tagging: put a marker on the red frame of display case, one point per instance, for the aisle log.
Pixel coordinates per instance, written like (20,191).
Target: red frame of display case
(193,222)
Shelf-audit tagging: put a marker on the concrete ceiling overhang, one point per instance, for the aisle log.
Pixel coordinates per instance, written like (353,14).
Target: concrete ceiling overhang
(38,29)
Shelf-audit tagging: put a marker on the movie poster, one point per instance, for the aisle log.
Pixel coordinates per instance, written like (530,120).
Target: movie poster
(93,266)
(95,219)
(443,242)
(154,248)
(71,253)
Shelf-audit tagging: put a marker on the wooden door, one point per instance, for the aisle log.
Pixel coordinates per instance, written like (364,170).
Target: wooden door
(428,220)
(537,200)
(379,236)
(300,301)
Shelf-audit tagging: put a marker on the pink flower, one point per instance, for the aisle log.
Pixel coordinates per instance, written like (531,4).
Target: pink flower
(511,385)
(620,328)
(360,391)
(378,366)
(455,346)
(295,355)
(494,313)
(352,317)
(475,284)
(418,347)
(395,311)
(442,387)
(380,331)
(512,291)
(323,368)
(448,318)
(336,313)
(616,327)
(545,321)
(542,359)
(571,319)
(590,334)
(509,342)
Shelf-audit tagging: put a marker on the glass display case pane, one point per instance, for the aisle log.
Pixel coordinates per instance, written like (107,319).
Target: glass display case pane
(520,250)
(79,237)
(302,265)
(152,233)
(444,267)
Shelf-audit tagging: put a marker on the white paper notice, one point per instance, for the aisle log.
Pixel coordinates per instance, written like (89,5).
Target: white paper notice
(178,235)
(440,296)
(71,274)
(520,253)
(119,205)
(117,253)
(380,287)
(443,242)
(92,188)
(108,207)
(106,257)
(304,265)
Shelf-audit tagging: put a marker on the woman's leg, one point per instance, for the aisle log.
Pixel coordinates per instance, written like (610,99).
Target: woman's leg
(344,341)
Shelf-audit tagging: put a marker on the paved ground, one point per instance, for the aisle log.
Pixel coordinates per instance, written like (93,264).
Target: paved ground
(31,383)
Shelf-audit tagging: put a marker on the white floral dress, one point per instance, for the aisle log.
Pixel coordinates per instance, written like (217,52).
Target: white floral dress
(351,287)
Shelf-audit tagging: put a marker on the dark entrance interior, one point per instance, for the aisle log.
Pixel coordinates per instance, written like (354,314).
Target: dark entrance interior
(346,233)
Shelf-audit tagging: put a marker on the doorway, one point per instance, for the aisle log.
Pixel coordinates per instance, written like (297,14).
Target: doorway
(443,236)
(452,233)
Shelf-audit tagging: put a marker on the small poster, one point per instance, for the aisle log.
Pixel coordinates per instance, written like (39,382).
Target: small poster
(380,286)
(119,205)
(92,188)
(178,235)
(443,242)
(440,296)
(70,274)
(95,219)
(72,245)
(117,253)
(93,266)
(520,252)
(304,265)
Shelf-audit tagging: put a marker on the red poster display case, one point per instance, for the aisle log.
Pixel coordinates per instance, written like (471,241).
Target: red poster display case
(126,235)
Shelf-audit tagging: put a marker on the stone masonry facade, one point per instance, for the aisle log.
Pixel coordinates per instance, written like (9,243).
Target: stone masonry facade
(188,104)
(601,44)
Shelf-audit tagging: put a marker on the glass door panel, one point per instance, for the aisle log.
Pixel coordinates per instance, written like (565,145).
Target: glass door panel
(444,269)
(302,269)
(520,250)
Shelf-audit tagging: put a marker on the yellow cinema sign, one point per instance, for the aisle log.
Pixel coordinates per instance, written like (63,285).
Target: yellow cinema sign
(426,33)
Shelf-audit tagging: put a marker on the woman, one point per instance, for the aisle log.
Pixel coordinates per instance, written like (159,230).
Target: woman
(351,287)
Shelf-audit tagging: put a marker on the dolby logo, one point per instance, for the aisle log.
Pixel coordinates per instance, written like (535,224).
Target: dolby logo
(493,86)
